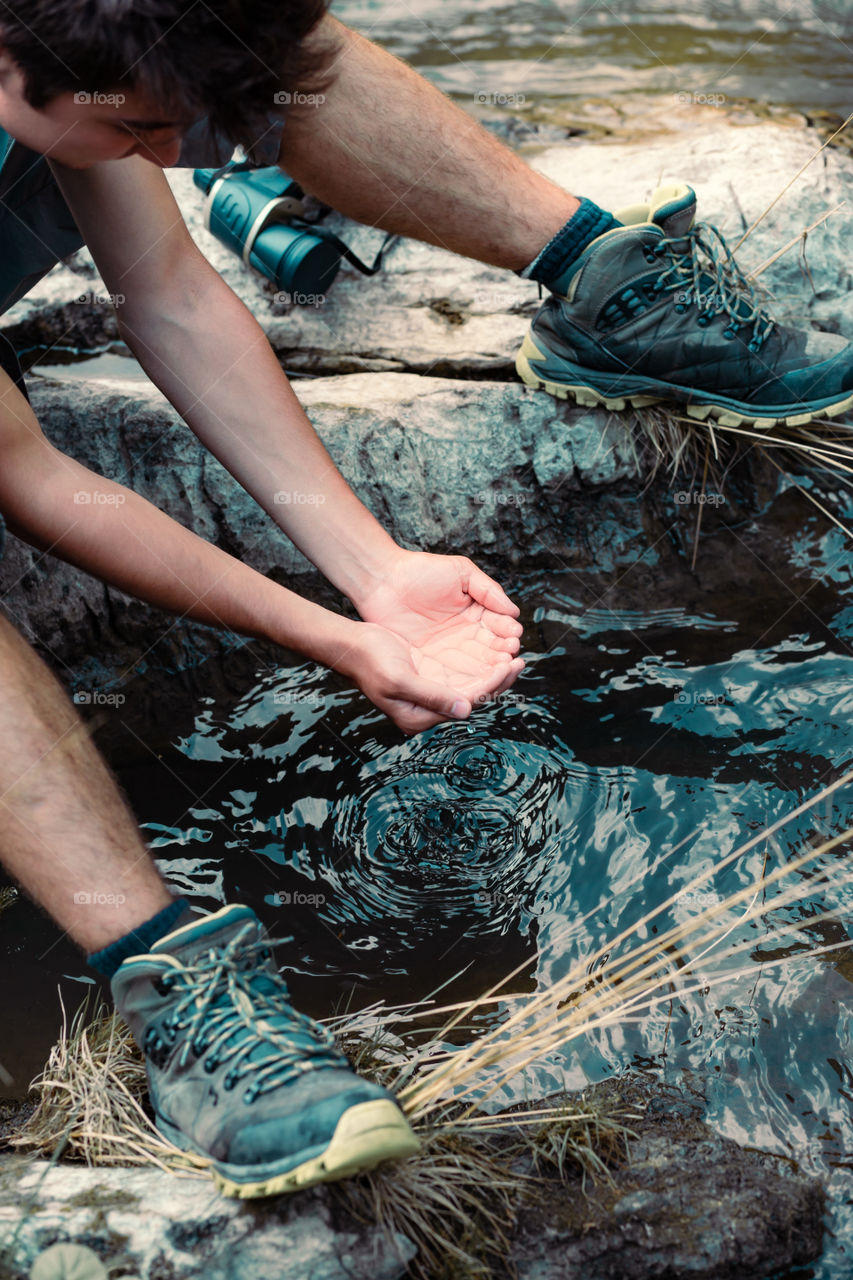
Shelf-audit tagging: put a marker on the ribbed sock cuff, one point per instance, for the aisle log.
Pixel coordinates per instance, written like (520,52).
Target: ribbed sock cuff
(550,267)
(140,939)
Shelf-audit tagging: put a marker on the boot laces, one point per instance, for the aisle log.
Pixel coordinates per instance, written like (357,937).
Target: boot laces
(706,271)
(228,1010)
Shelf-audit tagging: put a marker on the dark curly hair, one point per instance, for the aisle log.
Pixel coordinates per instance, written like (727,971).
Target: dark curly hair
(224,59)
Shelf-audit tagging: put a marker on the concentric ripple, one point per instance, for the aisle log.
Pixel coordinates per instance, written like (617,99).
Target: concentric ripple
(455,828)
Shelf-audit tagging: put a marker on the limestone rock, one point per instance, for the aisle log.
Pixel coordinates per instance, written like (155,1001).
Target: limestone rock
(156,1224)
(444,464)
(687,1202)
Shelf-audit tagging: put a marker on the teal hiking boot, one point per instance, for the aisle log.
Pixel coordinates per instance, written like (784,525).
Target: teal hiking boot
(658,310)
(240,1078)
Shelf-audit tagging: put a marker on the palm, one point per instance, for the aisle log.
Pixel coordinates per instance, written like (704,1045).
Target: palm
(457,621)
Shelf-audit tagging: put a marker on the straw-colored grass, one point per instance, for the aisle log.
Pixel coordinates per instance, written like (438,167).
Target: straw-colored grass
(92,1096)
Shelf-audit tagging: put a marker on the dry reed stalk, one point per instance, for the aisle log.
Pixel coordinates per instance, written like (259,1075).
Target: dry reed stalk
(489,1048)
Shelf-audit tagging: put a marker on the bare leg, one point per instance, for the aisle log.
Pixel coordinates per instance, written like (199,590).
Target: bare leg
(65,833)
(387,148)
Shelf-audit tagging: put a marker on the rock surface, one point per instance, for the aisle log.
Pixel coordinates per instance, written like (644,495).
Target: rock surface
(685,1202)
(444,465)
(159,1225)
(432,312)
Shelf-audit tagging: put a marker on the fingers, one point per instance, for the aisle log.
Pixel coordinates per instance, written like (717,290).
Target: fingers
(448,703)
(490,594)
(510,679)
(499,678)
(460,667)
(432,703)
(510,644)
(415,720)
(500,626)
(488,645)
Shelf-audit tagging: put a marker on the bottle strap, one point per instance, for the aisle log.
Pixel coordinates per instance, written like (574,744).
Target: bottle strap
(345,251)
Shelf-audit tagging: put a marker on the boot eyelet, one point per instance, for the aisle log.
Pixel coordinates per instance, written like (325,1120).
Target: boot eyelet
(162,984)
(680,307)
(703,320)
(249,1097)
(210,1065)
(754,346)
(229,1082)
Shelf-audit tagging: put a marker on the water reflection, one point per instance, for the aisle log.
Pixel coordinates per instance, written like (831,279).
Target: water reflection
(562,49)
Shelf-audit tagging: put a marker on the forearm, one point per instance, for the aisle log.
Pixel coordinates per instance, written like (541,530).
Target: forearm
(208,354)
(111,532)
(387,148)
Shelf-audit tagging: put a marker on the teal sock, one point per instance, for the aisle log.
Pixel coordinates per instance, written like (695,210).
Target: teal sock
(142,938)
(552,266)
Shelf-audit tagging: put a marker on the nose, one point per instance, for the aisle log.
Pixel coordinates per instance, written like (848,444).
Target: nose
(163,154)
(166,153)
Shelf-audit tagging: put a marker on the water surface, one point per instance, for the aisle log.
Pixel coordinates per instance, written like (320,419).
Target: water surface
(638,749)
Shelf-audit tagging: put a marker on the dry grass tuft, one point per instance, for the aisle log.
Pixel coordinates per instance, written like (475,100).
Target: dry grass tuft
(459,1197)
(91,1097)
(583,1134)
(456,1200)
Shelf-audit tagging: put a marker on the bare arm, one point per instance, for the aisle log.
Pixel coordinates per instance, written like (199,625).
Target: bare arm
(120,537)
(386,147)
(203,347)
(128,542)
(207,353)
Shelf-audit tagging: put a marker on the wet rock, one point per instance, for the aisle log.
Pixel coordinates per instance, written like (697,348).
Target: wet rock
(686,1202)
(159,1225)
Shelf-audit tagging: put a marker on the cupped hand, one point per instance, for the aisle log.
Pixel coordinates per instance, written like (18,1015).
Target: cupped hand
(461,636)
(418,687)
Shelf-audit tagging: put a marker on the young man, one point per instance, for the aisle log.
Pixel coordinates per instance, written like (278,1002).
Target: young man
(96,96)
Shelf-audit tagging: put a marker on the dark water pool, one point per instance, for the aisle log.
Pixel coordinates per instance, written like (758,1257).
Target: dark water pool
(633,733)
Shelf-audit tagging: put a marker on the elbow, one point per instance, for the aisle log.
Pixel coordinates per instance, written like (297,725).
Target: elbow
(173,303)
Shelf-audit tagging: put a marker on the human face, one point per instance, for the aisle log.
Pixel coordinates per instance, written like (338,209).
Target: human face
(81,129)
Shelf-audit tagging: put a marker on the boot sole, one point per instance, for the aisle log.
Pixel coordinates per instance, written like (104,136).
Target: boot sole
(366,1135)
(731,414)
